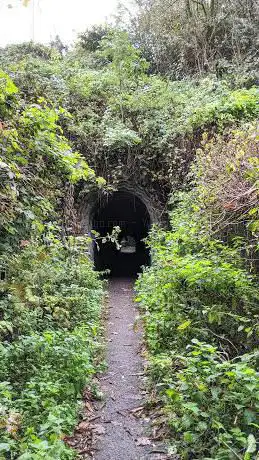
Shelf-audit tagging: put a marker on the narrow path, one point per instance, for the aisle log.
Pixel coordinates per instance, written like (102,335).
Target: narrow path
(125,434)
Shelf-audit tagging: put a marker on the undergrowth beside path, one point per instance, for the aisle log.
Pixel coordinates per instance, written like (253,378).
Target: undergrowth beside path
(200,310)
(50,296)
(48,351)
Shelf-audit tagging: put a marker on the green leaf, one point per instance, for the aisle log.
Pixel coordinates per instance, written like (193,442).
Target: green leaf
(251,444)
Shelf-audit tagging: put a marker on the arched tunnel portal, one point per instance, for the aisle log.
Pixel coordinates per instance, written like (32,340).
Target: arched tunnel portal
(134,210)
(127,211)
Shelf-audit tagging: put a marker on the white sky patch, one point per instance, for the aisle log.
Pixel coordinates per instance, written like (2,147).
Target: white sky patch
(42,20)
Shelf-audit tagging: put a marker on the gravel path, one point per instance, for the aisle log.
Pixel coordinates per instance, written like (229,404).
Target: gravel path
(125,434)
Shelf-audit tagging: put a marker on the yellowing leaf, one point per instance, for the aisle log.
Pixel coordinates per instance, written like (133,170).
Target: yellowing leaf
(184,325)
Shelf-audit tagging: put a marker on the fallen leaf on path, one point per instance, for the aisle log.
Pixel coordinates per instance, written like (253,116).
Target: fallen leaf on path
(89,407)
(98,429)
(83,426)
(94,418)
(87,394)
(86,451)
(143,442)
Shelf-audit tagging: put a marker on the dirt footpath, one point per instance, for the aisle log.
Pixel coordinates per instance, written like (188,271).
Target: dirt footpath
(125,436)
(116,427)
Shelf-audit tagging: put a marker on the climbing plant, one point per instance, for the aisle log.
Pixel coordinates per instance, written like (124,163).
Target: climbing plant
(128,124)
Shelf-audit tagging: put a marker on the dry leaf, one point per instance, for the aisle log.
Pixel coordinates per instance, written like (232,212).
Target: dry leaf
(98,429)
(89,407)
(143,442)
(83,426)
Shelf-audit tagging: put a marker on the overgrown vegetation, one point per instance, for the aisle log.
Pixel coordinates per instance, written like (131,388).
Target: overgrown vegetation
(200,305)
(50,297)
(188,37)
(190,134)
(130,126)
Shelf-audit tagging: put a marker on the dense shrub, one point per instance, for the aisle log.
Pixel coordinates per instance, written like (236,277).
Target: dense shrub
(188,36)
(211,402)
(200,311)
(50,296)
(36,163)
(227,177)
(140,122)
(50,327)
(49,289)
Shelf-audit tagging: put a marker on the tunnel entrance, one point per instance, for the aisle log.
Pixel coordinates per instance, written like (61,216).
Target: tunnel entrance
(127,211)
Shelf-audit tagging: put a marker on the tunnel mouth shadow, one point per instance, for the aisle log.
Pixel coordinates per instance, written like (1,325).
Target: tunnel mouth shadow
(127,211)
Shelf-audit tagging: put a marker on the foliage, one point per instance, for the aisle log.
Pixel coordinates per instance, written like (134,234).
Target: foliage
(100,106)
(126,122)
(48,289)
(36,161)
(185,37)
(50,308)
(227,170)
(211,403)
(50,296)
(200,308)
(90,39)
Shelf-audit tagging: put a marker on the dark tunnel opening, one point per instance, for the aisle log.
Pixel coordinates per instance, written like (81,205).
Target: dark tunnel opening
(127,211)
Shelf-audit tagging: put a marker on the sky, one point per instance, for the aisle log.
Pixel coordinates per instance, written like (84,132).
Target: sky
(49,18)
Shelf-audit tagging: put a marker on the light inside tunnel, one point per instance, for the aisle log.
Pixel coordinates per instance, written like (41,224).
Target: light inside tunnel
(127,211)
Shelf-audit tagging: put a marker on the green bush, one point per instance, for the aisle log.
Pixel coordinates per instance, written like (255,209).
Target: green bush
(200,313)
(50,296)
(211,402)
(51,288)
(51,303)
